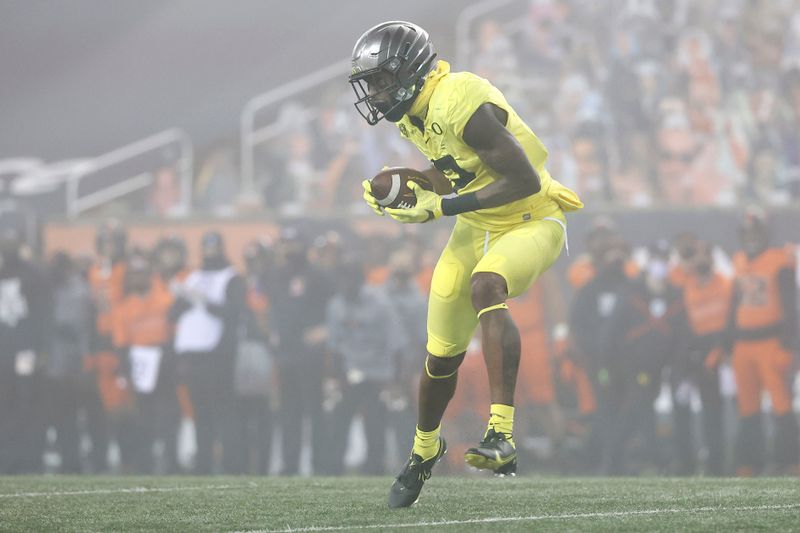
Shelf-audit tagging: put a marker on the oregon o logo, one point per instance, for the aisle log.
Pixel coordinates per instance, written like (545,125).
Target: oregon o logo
(437,129)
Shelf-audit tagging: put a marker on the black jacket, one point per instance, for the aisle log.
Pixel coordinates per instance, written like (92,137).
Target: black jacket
(24,309)
(591,310)
(646,333)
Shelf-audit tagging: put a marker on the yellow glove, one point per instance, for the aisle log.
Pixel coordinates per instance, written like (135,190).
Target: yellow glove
(373,203)
(429,207)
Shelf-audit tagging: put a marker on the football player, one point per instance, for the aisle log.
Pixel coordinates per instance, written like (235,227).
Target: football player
(510,227)
(764,324)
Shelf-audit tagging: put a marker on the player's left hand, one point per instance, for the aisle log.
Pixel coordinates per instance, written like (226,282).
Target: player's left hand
(429,207)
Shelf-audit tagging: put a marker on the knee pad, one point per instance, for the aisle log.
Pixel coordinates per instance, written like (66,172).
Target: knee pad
(432,376)
(492,308)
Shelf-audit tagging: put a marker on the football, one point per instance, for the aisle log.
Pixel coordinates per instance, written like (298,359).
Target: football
(390,187)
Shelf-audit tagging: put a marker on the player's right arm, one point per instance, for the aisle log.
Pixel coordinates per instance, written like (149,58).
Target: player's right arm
(486,133)
(498,149)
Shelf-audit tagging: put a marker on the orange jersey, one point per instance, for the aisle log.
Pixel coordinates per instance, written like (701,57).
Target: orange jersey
(757,285)
(762,365)
(107,289)
(142,319)
(114,395)
(707,304)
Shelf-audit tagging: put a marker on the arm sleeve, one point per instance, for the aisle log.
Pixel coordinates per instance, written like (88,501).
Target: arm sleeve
(729,334)
(682,333)
(788,290)
(235,300)
(44,314)
(178,307)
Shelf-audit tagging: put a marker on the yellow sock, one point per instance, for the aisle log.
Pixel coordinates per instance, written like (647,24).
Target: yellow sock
(501,418)
(426,443)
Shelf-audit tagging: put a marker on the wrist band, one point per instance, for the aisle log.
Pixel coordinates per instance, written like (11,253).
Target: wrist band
(460,204)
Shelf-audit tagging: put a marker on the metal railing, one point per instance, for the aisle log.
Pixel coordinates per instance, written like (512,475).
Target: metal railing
(252,136)
(76,204)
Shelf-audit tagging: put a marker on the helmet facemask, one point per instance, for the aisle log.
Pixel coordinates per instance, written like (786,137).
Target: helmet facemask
(390,102)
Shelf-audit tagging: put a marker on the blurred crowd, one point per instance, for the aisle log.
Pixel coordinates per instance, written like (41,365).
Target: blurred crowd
(659,359)
(688,325)
(640,103)
(643,102)
(105,358)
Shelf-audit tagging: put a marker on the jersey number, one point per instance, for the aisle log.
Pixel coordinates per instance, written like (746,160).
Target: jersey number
(447,165)
(754,291)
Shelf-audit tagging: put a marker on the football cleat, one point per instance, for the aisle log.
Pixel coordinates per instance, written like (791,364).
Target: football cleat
(408,484)
(494,453)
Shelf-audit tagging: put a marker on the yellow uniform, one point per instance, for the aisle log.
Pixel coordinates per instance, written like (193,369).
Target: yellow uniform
(518,241)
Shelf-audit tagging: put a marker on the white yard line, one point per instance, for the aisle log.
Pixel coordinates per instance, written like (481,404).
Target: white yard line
(494,520)
(131,490)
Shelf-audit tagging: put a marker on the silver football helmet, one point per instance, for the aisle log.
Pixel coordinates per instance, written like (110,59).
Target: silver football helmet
(390,62)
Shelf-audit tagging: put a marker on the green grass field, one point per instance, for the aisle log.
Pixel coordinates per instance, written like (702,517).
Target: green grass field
(449,504)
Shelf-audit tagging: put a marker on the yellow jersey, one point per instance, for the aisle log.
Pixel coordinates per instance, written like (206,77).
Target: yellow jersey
(451,99)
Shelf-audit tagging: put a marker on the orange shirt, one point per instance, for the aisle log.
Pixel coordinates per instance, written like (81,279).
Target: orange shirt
(107,288)
(757,284)
(707,304)
(142,319)
(679,276)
